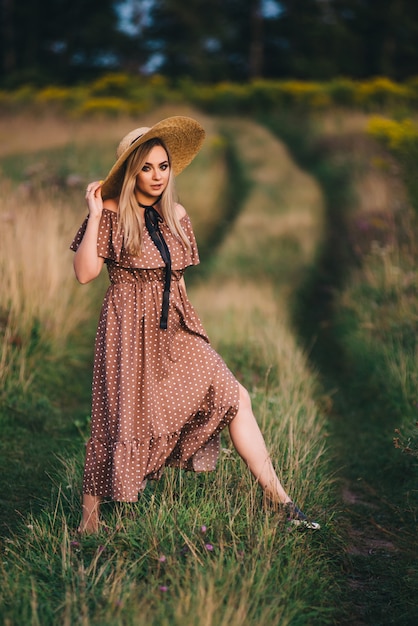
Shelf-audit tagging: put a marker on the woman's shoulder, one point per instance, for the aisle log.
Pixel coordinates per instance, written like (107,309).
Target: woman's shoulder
(180,210)
(111,204)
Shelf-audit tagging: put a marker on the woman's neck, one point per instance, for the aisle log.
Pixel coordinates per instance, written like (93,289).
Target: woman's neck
(145,200)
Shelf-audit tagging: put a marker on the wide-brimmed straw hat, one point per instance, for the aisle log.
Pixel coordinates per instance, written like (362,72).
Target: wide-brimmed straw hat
(182,136)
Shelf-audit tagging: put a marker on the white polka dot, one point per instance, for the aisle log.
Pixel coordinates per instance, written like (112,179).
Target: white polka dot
(160,397)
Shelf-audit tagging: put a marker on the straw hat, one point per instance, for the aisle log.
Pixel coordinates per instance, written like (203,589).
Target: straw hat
(183,137)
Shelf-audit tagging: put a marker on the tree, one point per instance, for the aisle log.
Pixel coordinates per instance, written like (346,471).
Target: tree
(207,41)
(72,40)
(386,35)
(59,40)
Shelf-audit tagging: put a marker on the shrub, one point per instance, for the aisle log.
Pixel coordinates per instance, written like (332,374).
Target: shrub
(397,136)
(59,96)
(305,94)
(112,85)
(222,98)
(342,91)
(381,92)
(107,106)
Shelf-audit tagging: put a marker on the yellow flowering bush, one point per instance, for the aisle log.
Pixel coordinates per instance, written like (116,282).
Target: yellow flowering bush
(223,97)
(381,92)
(104,106)
(304,93)
(262,94)
(401,138)
(118,92)
(60,96)
(23,95)
(52,94)
(139,92)
(397,136)
(113,84)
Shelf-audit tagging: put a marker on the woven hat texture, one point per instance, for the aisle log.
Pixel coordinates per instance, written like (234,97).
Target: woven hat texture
(182,136)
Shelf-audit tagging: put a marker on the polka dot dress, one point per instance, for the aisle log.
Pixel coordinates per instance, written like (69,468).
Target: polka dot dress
(160,397)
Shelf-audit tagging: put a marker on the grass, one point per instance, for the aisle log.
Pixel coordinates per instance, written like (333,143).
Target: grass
(39,304)
(357,312)
(198,549)
(333,261)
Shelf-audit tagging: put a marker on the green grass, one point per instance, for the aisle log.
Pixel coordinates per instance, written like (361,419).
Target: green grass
(38,426)
(154,562)
(280,264)
(358,316)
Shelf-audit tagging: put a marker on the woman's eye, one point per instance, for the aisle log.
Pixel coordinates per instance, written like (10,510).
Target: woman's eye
(146,168)
(164,166)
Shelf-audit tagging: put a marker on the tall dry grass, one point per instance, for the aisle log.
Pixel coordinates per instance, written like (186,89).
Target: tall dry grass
(40,303)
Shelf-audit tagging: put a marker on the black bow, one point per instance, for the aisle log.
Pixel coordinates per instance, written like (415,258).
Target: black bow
(152,222)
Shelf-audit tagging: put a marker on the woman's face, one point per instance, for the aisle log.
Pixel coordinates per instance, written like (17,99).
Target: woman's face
(152,179)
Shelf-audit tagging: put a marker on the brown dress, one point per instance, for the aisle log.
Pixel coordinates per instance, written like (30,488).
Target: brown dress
(160,397)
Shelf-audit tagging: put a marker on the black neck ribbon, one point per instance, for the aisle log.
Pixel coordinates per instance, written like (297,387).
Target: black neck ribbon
(152,222)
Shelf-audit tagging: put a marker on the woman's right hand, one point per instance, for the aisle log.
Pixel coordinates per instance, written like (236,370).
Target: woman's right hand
(87,263)
(94,198)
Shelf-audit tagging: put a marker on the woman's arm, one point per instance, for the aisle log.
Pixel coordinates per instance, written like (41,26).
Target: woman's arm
(87,265)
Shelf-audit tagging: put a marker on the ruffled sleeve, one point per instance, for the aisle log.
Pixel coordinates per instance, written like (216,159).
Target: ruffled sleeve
(109,241)
(194,253)
(79,236)
(110,245)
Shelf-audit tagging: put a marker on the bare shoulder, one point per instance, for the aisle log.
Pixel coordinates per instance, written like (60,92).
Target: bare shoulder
(180,210)
(111,204)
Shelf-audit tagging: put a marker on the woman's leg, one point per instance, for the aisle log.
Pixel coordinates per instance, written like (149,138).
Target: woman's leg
(250,445)
(90,516)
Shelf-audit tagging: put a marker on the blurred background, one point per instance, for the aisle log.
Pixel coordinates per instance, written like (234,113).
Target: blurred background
(304,201)
(65,41)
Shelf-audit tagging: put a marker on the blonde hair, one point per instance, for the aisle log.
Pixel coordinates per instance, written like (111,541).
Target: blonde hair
(130,218)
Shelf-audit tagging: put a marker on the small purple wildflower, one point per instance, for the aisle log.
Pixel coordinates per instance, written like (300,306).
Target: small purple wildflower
(209,547)
(100,549)
(362,224)
(203,529)
(163,588)
(74,544)
(162,558)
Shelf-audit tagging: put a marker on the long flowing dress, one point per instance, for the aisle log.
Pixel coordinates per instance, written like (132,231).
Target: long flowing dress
(159,397)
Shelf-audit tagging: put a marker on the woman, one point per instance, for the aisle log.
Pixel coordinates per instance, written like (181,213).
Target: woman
(161,394)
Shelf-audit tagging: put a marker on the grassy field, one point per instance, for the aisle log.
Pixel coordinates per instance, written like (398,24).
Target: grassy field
(357,311)
(288,291)
(196,549)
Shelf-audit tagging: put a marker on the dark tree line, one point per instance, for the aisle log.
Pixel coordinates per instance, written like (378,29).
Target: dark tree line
(62,40)
(208,40)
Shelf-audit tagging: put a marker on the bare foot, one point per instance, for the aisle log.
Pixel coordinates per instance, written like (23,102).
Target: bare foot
(90,518)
